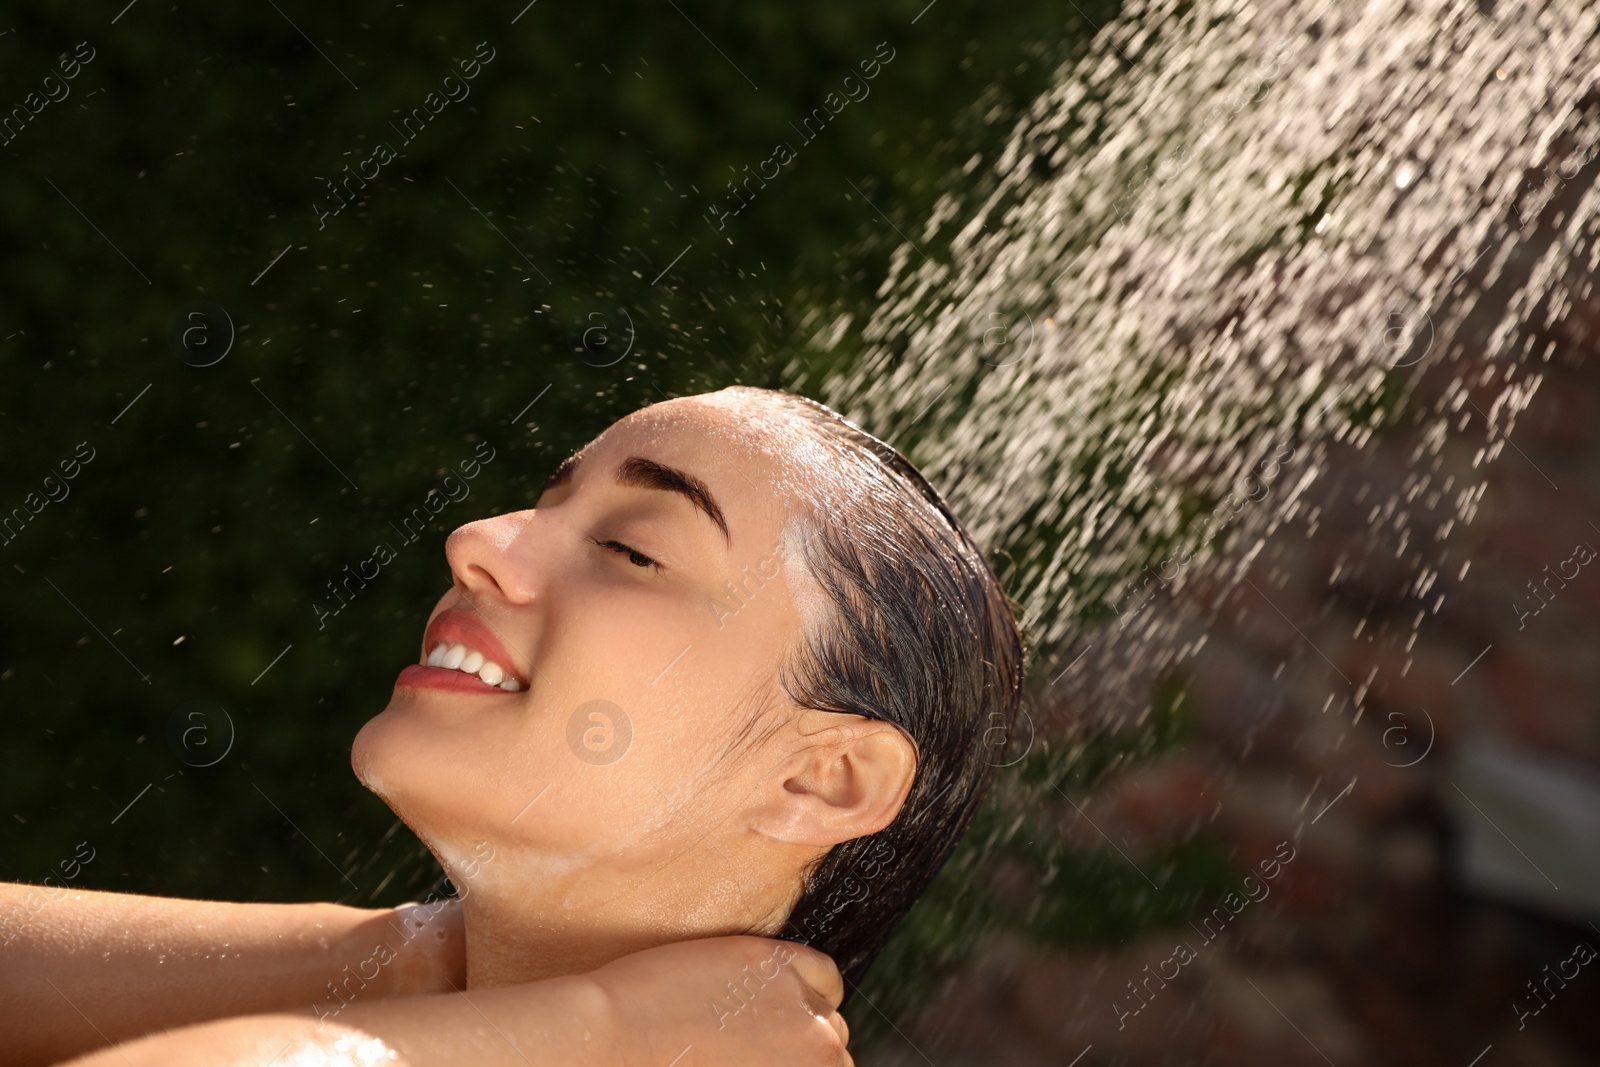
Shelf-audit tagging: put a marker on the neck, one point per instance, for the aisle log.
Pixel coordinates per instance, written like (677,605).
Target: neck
(521,933)
(507,945)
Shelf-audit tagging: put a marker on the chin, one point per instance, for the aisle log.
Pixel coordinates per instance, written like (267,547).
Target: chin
(366,758)
(407,770)
(373,760)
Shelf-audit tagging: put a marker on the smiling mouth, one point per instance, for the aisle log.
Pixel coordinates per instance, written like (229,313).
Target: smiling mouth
(469,660)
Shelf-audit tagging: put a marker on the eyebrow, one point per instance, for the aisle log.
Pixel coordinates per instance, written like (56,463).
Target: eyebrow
(641,473)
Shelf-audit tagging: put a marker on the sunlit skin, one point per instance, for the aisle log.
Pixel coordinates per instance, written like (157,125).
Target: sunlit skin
(608,591)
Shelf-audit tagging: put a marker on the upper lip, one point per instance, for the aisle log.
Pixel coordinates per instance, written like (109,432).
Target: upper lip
(457,626)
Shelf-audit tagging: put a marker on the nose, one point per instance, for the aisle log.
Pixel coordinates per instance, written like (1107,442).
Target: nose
(487,556)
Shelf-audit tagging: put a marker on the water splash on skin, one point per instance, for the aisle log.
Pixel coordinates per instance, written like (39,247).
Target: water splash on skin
(346,1050)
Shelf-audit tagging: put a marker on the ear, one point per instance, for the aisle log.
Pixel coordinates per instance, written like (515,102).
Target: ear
(848,778)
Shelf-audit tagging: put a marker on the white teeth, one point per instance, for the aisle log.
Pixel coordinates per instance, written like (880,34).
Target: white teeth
(471,661)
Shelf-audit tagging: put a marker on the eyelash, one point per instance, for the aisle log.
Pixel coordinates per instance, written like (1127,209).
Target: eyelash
(635,557)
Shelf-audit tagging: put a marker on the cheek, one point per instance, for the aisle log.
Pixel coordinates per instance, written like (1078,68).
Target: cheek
(668,786)
(633,678)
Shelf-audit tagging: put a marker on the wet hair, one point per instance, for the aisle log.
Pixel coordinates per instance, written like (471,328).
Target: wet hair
(919,633)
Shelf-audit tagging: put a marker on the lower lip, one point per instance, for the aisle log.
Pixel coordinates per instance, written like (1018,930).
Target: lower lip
(425,677)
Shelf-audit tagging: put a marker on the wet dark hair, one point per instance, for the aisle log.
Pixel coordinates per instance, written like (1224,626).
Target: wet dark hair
(921,635)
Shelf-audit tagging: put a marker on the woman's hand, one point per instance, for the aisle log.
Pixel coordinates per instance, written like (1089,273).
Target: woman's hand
(429,946)
(735,1001)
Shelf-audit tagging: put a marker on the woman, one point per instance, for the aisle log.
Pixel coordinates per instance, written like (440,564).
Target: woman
(738,672)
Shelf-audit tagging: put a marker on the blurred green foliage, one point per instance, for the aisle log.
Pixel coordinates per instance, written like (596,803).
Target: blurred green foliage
(531,233)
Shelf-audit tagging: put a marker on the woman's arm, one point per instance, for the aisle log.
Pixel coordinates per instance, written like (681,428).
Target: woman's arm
(540,1024)
(726,1001)
(80,969)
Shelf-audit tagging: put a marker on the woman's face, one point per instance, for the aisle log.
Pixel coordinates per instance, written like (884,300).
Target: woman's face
(638,617)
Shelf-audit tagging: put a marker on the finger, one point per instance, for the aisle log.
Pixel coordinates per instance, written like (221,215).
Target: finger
(834,1023)
(841,1032)
(817,970)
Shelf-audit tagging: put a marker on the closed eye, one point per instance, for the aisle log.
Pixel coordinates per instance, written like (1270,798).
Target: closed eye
(635,557)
